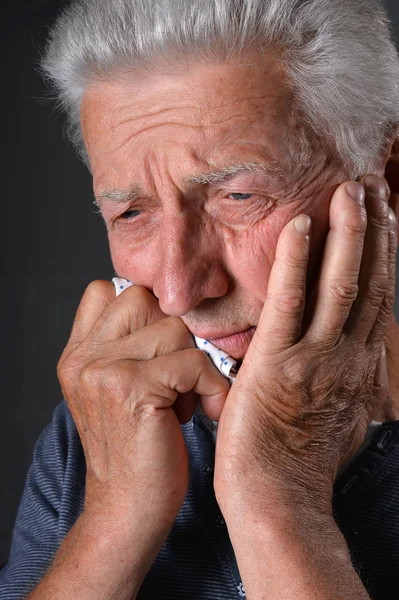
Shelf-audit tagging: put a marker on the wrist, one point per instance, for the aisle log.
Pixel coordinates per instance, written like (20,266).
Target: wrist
(128,513)
(276,499)
(272,521)
(275,527)
(308,547)
(134,535)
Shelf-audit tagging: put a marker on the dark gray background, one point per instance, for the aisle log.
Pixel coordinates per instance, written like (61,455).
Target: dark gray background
(54,245)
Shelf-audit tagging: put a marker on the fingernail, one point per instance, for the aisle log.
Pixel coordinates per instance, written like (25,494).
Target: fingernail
(357,192)
(392,216)
(377,186)
(303,224)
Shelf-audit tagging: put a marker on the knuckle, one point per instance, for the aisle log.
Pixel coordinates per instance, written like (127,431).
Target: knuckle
(138,293)
(355,227)
(116,378)
(61,366)
(381,392)
(295,261)
(141,305)
(376,289)
(62,375)
(112,380)
(64,379)
(91,374)
(385,311)
(197,356)
(393,242)
(381,272)
(389,299)
(178,327)
(67,368)
(380,387)
(379,221)
(98,288)
(344,293)
(296,373)
(290,302)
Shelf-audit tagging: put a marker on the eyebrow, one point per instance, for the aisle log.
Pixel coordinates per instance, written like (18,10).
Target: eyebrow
(133,192)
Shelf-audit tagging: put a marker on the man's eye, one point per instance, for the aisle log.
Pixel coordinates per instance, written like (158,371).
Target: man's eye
(241,196)
(129,214)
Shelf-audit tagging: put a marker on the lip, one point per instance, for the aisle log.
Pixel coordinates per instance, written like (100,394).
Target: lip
(235,344)
(211,335)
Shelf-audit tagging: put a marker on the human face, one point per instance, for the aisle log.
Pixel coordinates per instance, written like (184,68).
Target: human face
(205,251)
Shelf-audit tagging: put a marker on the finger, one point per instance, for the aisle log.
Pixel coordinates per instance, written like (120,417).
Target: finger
(392,168)
(392,178)
(394,205)
(182,372)
(337,286)
(280,323)
(158,338)
(97,297)
(379,401)
(373,277)
(381,382)
(135,308)
(379,331)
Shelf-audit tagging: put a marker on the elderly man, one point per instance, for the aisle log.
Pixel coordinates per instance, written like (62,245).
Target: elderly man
(238,151)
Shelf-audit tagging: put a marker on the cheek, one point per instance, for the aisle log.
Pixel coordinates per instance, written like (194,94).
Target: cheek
(138,265)
(250,255)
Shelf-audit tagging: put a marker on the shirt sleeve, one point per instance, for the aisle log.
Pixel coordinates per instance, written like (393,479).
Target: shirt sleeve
(43,518)
(366,509)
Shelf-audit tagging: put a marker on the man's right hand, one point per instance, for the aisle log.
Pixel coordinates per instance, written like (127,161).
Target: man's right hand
(121,372)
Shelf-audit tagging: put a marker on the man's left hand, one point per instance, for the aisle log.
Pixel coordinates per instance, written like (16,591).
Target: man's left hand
(305,394)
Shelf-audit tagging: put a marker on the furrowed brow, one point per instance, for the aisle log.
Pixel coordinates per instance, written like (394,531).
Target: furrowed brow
(135,191)
(231,171)
(120,196)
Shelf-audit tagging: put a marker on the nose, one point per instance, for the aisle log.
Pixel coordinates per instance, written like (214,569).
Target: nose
(191,267)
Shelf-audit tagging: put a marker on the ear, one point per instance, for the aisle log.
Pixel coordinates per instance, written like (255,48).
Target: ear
(392,174)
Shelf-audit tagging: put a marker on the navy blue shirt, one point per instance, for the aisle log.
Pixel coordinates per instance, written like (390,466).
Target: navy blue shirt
(197,561)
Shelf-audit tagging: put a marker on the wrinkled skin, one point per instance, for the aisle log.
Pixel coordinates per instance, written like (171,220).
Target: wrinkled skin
(304,396)
(207,257)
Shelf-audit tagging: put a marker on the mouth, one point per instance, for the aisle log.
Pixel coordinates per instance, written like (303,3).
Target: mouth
(235,344)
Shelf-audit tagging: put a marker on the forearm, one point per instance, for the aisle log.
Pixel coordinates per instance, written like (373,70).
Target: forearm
(101,559)
(294,558)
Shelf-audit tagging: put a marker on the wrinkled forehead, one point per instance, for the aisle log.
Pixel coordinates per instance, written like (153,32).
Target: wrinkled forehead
(202,117)
(199,94)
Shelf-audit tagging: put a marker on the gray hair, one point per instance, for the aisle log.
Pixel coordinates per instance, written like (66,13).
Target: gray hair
(338,56)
